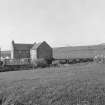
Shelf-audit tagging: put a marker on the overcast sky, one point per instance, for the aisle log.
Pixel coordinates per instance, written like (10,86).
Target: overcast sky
(59,22)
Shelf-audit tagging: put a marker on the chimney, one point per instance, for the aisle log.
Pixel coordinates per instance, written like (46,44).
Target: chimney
(13,42)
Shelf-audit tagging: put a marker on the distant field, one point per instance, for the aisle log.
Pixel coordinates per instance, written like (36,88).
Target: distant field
(78,51)
(54,86)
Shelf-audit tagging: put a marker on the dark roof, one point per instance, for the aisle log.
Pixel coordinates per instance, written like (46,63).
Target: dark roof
(22,46)
(36,45)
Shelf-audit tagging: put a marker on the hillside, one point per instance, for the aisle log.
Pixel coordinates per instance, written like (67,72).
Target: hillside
(78,51)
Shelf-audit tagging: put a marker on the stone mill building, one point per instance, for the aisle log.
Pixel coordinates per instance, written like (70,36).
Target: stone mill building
(34,51)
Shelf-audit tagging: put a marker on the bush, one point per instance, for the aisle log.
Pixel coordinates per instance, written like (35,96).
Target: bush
(40,63)
(49,61)
(55,63)
(99,59)
(63,61)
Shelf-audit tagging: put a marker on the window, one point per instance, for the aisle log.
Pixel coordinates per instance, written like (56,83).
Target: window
(19,51)
(23,51)
(27,51)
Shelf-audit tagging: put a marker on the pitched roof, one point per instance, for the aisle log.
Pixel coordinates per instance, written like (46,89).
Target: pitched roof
(36,45)
(21,46)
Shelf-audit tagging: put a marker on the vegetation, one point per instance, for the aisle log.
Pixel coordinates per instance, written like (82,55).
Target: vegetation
(69,85)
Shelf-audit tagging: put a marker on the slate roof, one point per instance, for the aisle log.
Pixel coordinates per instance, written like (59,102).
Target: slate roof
(21,46)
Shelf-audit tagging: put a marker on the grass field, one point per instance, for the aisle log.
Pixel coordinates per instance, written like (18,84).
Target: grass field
(54,86)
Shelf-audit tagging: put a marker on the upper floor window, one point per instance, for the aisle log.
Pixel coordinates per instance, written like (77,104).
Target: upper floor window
(27,51)
(20,51)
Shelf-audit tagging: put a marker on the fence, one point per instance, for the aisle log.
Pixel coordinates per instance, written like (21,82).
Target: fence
(17,61)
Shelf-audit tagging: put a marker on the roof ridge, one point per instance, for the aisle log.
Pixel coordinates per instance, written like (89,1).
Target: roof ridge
(24,43)
(36,45)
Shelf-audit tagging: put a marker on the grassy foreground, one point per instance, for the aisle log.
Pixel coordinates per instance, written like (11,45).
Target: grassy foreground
(54,86)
